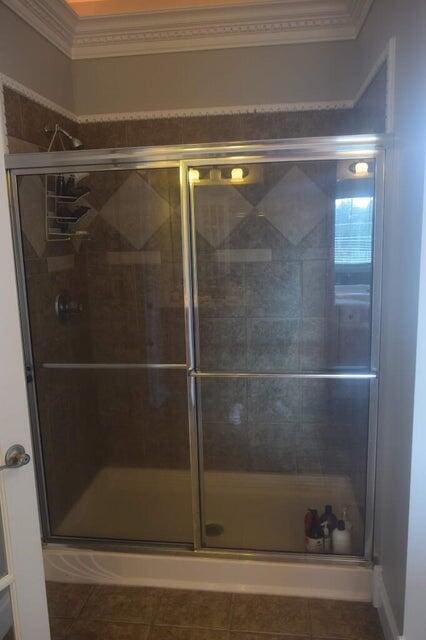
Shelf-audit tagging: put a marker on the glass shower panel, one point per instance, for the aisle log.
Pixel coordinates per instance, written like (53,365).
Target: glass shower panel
(103,268)
(274,448)
(283,262)
(116,453)
(284,265)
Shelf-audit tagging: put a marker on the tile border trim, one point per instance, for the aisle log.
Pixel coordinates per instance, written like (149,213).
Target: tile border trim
(7,81)
(216,111)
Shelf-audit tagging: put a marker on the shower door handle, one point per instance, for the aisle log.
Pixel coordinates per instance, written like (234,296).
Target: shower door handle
(15,457)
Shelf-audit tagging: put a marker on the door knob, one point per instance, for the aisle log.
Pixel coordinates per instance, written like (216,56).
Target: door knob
(15,457)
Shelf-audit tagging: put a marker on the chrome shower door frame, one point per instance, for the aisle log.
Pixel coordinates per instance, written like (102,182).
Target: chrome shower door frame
(184,157)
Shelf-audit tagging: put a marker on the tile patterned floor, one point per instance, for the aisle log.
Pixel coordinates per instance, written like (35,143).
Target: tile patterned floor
(106,612)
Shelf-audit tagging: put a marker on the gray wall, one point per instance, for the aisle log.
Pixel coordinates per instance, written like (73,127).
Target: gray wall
(30,59)
(403,224)
(256,75)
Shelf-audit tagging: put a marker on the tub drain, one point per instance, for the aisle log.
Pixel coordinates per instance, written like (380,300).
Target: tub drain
(213,529)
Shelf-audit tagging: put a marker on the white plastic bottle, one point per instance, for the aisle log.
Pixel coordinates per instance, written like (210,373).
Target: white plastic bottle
(346,520)
(341,538)
(327,537)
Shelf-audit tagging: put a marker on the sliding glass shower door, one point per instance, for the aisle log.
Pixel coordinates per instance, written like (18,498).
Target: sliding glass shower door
(102,254)
(201,341)
(283,257)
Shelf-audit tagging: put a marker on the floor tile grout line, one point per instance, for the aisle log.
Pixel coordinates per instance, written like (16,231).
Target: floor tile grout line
(311,630)
(91,591)
(161,594)
(166,625)
(71,627)
(231,613)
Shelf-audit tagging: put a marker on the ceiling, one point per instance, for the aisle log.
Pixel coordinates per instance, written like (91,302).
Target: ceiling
(114,7)
(109,28)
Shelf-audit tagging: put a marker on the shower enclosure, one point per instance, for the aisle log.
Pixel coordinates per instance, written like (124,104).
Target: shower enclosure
(201,340)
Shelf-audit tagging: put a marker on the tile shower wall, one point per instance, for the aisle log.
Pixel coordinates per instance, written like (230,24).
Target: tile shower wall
(189,130)
(26,120)
(371,107)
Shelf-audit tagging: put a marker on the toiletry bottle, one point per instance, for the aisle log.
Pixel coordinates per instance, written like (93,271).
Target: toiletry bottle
(326,537)
(309,518)
(314,539)
(60,185)
(341,539)
(329,517)
(346,520)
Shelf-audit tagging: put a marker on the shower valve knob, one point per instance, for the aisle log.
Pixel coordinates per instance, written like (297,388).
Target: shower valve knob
(65,307)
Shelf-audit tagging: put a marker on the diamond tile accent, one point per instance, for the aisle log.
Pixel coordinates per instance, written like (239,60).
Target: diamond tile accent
(136,210)
(218,210)
(103,184)
(295,206)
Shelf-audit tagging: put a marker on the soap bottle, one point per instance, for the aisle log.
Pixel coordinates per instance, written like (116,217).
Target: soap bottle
(341,539)
(326,537)
(314,539)
(346,520)
(309,517)
(329,517)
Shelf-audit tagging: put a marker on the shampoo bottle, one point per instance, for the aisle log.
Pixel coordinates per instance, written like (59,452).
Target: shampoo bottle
(327,537)
(346,520)
(329,517)
(309,518)
(314,538)
(341,539)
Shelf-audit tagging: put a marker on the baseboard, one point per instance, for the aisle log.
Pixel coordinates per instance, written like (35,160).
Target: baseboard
(382,603)
(335,581)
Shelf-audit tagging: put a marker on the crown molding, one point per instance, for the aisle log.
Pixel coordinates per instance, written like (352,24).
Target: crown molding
(359,12)
(264,22)
(285,21)
(53,19)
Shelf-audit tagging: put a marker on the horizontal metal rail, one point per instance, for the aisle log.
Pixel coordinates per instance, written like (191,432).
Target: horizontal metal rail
(345,375)
(112,365)
(371,375)
(332,375)
(101,159)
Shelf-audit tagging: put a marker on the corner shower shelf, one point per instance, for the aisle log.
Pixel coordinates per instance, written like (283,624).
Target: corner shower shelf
(67,199)
(60,227)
